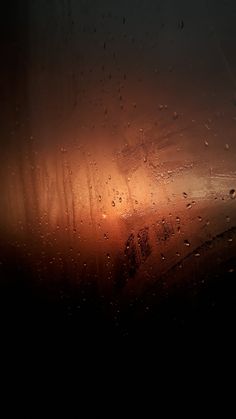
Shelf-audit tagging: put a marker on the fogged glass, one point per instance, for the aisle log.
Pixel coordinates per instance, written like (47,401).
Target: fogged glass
(119,168)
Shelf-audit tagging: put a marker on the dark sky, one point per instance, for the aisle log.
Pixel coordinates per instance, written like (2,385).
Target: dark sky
(73,64)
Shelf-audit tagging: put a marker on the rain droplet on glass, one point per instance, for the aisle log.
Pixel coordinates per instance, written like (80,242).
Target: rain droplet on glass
(232,193)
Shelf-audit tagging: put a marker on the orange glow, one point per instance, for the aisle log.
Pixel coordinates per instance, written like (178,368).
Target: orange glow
(85,210)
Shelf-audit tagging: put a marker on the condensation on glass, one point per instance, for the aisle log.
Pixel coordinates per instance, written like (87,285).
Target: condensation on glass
(123,169)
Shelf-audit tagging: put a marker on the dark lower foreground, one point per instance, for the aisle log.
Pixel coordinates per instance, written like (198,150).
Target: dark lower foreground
(53,312)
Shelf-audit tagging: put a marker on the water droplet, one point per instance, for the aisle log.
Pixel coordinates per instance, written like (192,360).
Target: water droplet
(186,242)
(206,143)
(185,194)
(228,219)
(113,203)
(177,219)
(232,193)
(199,218)
(197,254)
(189,206)
(226,146)
(175,115)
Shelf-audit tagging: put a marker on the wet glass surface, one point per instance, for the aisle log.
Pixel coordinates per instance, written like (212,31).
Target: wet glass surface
(118,171)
